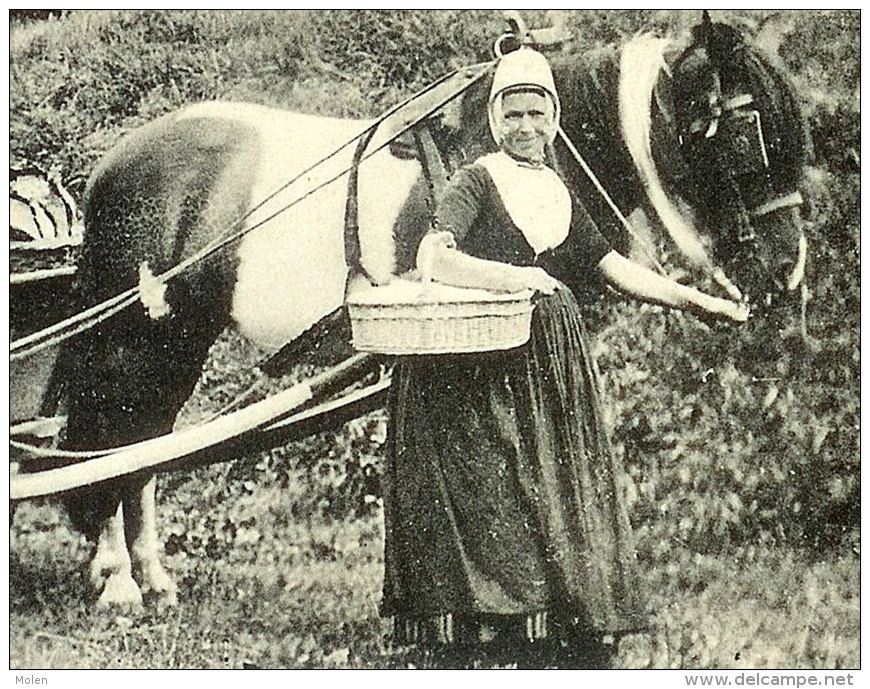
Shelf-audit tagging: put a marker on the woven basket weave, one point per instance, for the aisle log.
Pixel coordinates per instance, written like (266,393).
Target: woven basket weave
(410,317)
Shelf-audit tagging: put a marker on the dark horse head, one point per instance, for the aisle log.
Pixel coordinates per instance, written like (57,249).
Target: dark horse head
(745,143)
(707,134)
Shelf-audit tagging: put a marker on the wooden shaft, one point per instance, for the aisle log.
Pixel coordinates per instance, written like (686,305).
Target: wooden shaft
(172,449)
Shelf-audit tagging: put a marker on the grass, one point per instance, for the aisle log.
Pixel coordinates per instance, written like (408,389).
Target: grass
(306,595)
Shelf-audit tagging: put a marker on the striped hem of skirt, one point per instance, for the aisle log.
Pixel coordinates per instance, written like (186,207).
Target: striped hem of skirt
(448,629)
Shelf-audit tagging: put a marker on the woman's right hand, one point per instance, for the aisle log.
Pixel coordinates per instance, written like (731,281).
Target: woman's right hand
(539,280)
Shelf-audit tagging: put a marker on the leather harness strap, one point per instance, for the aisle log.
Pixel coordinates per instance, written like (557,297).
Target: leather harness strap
(778,203)
(352,252)
(434,170)
(400,120)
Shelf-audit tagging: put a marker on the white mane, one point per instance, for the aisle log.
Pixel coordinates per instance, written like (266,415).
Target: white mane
(641,61)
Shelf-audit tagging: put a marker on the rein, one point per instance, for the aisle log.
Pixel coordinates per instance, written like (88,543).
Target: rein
(87,319)
(91,317)
(647,248)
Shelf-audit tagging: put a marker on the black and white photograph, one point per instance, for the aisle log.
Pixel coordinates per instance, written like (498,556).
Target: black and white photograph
(435,339)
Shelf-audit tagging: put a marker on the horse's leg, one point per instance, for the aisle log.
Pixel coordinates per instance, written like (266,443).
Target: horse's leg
(99,515)
(140,523)
(134,379)
(150,204)
(110,568)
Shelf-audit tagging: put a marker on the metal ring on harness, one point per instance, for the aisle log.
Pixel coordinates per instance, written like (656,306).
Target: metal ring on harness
(497,46)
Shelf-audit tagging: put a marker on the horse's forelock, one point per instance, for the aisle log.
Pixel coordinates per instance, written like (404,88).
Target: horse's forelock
(723,42)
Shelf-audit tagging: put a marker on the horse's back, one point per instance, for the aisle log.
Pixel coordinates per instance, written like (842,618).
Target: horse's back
(165,190)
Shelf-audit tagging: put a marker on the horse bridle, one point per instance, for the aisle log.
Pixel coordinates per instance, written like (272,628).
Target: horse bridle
(746,153)
(788,200)
(751,136)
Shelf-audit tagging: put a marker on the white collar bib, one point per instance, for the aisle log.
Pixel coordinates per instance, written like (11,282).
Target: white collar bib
(536,199)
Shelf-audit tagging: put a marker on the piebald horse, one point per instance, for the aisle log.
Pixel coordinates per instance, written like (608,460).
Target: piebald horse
(175,184)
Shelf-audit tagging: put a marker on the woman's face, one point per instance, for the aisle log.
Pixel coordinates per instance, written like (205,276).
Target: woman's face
(528,122)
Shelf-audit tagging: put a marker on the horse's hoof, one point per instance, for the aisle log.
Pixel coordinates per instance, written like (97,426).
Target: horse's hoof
(162,600)
(103,567)
(164,595)
(157,585)
(120,591)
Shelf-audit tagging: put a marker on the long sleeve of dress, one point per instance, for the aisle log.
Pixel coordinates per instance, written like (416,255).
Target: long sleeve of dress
(461,203)
(472,210)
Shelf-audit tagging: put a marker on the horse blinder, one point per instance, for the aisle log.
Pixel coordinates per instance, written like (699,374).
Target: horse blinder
(732,140)
(730,143)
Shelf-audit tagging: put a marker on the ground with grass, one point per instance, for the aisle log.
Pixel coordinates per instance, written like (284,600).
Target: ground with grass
(306,595)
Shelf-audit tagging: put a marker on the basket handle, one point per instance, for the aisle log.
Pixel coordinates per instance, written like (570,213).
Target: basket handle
(352,251)
(435,174)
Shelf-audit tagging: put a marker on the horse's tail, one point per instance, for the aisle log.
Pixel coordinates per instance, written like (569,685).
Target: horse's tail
(87,509)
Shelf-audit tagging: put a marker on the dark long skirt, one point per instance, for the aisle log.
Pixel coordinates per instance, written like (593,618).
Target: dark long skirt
(501,497)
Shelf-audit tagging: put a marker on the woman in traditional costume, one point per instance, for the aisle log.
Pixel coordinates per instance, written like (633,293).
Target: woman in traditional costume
(505,523)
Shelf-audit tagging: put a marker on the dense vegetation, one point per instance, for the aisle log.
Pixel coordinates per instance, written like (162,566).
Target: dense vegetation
(741,444)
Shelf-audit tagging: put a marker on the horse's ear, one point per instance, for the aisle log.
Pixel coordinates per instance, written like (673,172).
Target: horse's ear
(704,30)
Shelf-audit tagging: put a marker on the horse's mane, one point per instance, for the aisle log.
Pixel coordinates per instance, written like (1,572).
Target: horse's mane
(641,62)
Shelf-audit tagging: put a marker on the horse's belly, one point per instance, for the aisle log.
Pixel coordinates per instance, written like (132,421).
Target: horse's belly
(292,270)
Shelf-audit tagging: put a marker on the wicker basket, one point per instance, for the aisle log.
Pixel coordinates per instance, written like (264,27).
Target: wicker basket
(411,317)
